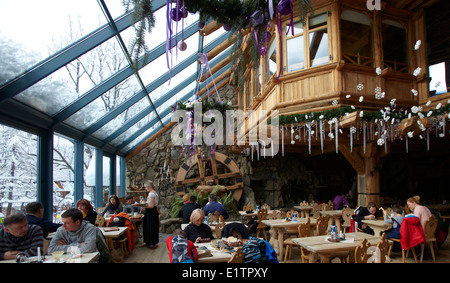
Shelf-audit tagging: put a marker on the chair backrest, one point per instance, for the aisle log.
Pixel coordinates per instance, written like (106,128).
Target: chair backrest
(262,214)
(238,256)
(217,216)
(265,206)
(100,221)
(383,247)
(211,218)
(330,205)
(248,207)
(316,210)
(322,225)
(361,255)
(218,230)
(430,227)
(280,214)
(304,229)
(347,216)
(304,203)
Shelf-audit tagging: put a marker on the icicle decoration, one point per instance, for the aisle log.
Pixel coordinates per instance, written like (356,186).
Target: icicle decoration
(309,137)
(336,136)
(321,135)
(282,140)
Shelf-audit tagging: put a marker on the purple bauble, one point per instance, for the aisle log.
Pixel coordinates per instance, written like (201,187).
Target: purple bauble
(184,12)
(201,25)
(263,51)
(257,18)
(284,7)
(174,16)
(226,27)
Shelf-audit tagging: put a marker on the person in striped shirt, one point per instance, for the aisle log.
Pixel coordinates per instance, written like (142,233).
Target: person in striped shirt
(17,236)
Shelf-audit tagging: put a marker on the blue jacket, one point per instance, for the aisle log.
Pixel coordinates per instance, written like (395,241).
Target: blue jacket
(214,206)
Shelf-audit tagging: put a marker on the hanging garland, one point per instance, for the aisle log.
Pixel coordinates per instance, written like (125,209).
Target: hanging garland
(234,15)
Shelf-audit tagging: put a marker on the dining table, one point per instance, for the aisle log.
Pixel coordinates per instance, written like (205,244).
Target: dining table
(111,233)
(65,258)
(277,229)
(378,226)
(135,220)
(305,210)
(334,218)
(213,255)
(322,248)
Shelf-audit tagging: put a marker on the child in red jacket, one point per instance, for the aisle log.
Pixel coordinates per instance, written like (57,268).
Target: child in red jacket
(181,250)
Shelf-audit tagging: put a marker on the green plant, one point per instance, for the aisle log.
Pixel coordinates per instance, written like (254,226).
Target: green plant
(202,199)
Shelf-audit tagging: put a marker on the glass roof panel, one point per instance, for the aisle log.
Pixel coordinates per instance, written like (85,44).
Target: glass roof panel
(122,118)
(89,114)
(136,127)
(64,86)
(50,26)
(175,81)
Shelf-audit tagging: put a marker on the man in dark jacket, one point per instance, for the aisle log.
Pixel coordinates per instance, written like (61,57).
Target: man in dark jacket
(187,209)
(35,214)
(212,206)
(366,213)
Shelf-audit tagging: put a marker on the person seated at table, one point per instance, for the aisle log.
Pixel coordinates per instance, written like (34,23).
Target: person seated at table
(17,236)
(339,201)
(113,207)
(213,205)
(88,211)
(129,207)
(419,210)
(181,250)
(35,214)
(75,232)
(365,213)
(188,207)
(396,221)
(198,231)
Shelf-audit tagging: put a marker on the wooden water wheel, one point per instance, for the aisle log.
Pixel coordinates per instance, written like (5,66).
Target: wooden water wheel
(203,179)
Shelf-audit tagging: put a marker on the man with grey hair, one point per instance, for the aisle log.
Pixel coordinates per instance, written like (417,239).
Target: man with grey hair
(17,236)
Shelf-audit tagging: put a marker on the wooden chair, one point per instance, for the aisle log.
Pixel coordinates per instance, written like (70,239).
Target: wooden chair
(288,243)
(100,221)
(238,256)
(218,230)
(361,255)
(347,216)
(248,207)
(316,210)
(122,246)
(216,216)
(404,252)
(330,205)
(322,225)
(430,230)
(265,206)
(304,203)
(383,247)
(262,215)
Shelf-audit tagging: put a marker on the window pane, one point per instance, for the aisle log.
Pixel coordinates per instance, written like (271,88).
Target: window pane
(122,118)
(295,54)
(395,46)
(356,38)
(317,21)
(18,171)
(438,83)
(64,86)
(47,26)
(89,173)
(88,115)
(318,47)
(298,28)
(63,173)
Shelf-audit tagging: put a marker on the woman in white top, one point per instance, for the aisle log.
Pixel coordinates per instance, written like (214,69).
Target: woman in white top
(150,226)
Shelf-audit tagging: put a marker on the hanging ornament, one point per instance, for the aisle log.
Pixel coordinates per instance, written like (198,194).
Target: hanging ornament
(201,25)
(226,27)
(285,7)
(182,46)
(176,14)
(257,18)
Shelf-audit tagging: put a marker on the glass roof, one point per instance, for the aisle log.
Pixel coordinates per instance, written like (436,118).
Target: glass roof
(71,70)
